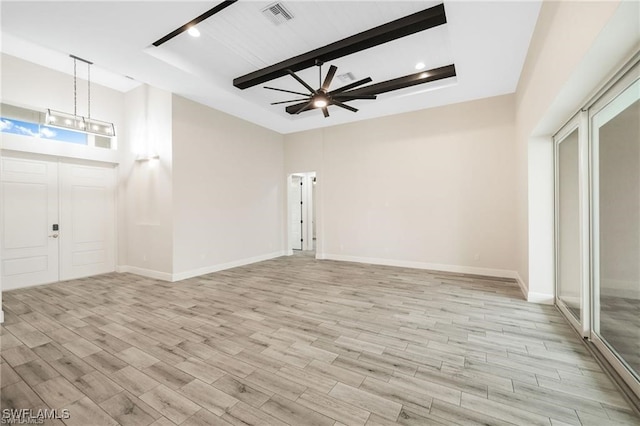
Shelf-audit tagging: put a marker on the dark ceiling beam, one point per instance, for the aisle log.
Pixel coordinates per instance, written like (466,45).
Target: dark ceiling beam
(194,22)
(393,30)
(391,85)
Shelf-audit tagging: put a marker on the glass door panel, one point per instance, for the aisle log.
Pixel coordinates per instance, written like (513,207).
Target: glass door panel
(616,227)
(568,265)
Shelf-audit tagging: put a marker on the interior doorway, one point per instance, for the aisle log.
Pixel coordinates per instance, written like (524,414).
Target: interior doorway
(58,220)
(301,211)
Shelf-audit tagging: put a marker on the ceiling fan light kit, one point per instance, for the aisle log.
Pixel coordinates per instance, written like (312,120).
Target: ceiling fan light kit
(322,98)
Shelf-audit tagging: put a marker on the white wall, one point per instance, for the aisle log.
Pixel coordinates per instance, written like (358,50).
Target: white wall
(32,86)
(222,205)
(146,187)
(145,228)
(229,190)
(575,46)
(431,188)
(444,188)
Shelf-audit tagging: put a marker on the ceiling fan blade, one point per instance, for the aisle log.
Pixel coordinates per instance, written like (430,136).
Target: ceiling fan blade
(305,106)
(329,77)
(286,102)
(345,106)
(301,81)
(353,97)
(325,111)
(287,91)
(351,85)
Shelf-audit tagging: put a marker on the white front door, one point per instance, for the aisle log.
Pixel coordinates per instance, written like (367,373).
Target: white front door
(58,221)
(29,213)
(87,220)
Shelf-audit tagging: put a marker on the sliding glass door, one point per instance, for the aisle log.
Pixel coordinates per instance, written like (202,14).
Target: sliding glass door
(597,223)
(615,138)
(570,241)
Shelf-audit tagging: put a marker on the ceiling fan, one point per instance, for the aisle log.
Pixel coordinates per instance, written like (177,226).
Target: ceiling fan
(322,97)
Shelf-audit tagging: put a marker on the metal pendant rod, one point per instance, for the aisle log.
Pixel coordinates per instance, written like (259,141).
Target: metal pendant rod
(319,65)
(89,90)
(75,88)
(75,77)
(80,59)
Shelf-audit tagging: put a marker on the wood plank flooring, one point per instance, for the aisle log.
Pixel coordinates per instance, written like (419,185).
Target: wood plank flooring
(620,327)
(296,341)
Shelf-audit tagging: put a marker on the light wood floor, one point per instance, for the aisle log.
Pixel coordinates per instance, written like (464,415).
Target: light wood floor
(301,342)
(620,326)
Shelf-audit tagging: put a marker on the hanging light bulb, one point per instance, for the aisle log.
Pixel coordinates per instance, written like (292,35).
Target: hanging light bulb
(320,100)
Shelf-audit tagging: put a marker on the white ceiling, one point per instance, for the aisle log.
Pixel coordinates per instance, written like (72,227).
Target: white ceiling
(487,42)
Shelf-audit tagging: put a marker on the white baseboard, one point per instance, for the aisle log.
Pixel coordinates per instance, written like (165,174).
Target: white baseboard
(523,286)
(1,316)
(571,301)
(625,294)
(156,275)
(490,272)
(619,288)
(215,268)
(541,298)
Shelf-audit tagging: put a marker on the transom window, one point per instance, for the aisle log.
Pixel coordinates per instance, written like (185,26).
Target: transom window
(27,122)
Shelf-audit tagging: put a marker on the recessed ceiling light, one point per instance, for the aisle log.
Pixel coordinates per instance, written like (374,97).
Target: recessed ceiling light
(420,65)
(194,32)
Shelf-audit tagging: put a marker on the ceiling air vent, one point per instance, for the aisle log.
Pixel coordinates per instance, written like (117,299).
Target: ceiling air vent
(346,77)
(277,14)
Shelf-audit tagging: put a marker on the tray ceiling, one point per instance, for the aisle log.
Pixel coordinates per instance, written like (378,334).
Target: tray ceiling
(487,42)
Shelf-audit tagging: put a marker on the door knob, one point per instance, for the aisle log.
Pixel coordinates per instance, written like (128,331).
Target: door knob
(54,236)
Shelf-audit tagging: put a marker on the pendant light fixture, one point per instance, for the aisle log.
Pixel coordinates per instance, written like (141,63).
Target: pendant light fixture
(77,122)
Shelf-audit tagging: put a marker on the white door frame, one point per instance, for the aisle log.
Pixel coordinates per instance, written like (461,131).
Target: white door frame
(296,206)
(578,122)
(309,212)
